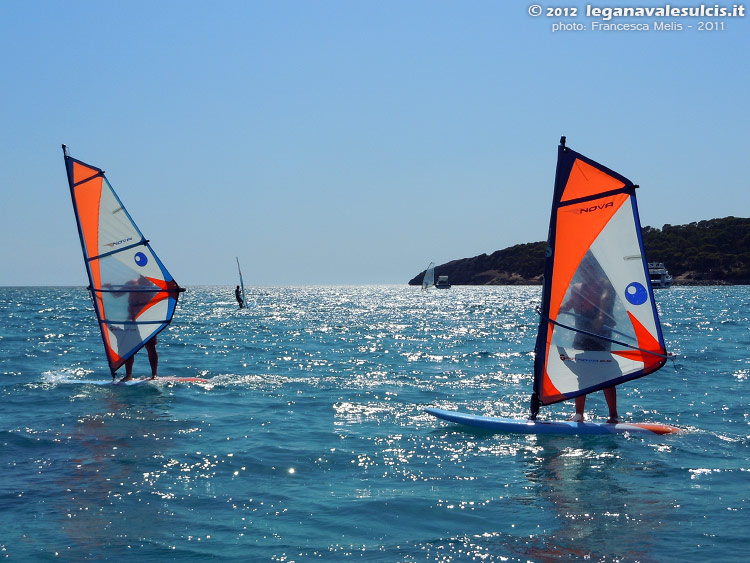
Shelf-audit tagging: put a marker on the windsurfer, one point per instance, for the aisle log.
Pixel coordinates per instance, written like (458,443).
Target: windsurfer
(138,300)
(592,303)
(238,296)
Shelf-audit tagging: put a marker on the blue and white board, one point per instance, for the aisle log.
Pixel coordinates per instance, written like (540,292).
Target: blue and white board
(518,426)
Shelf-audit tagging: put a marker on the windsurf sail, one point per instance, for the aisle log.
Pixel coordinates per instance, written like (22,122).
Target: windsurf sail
(429,276)
(242,285)
(599,325)
(134,295)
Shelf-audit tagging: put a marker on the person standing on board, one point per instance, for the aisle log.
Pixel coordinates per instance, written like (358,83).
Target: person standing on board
(592,302)
(153,359)
(138,298)
(238,296)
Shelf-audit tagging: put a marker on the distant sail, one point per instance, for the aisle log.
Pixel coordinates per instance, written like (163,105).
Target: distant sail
(133,293)
(242,285)
(599,325)
(429,276)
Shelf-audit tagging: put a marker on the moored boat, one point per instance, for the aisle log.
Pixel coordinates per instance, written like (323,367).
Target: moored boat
(442,283)
(659,275)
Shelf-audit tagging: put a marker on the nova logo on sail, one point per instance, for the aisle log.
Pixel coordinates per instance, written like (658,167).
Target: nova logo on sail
(580,359)
(596,207)
(119,242)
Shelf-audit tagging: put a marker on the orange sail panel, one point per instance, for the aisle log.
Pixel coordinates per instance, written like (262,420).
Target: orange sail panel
(599,325)
(134,295)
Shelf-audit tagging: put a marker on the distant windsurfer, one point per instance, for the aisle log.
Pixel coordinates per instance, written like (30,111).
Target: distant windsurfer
(238,295)
(592,303)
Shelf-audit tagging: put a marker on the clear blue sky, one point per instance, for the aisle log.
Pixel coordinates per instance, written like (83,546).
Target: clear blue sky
(350,142)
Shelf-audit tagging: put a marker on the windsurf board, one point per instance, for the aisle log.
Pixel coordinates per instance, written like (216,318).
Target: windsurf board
(521,426)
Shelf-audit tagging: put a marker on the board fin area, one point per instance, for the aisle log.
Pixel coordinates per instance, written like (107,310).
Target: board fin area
(526,426)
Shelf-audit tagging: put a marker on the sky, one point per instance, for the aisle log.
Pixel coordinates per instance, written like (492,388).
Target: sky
(352,142)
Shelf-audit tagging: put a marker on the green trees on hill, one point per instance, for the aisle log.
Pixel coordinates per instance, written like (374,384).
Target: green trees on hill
(712,251)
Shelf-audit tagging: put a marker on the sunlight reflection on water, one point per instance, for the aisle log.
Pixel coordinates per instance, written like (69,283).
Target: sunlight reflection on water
(310,439)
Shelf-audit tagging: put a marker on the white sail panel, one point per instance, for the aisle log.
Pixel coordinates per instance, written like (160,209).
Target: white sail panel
(116,229)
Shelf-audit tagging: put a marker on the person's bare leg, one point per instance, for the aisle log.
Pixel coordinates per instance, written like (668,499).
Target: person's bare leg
(153,358)
(580,404)
(610,393)
(128,369)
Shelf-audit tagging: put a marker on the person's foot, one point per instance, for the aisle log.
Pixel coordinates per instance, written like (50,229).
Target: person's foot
(613,420)
(154,376)
(126,378)
(577,417)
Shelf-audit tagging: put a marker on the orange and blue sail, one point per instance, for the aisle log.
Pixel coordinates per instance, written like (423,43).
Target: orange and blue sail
(134,295)
(599,324)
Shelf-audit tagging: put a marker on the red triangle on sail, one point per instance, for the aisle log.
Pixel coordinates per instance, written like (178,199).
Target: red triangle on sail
(168,289)
(549,393)
(646,341)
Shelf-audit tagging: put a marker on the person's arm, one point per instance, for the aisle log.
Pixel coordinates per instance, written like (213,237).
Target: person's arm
(604,315)
(567,304)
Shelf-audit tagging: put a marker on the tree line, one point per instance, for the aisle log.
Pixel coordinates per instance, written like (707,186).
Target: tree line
(714,251)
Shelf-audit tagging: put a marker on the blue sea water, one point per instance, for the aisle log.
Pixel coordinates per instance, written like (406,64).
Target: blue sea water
(310,442)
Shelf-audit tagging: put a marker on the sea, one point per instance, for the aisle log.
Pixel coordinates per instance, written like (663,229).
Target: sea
(310,441)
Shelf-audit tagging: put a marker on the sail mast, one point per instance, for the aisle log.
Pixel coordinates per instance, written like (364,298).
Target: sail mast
(549,260)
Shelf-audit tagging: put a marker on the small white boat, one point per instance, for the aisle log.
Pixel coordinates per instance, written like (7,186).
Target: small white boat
(659,275)
(442,283)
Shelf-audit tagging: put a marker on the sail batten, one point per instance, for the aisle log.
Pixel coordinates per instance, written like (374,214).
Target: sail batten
(602,195)
(96,175)
(612,340)
(133,294)
(140,243)
(596,273)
